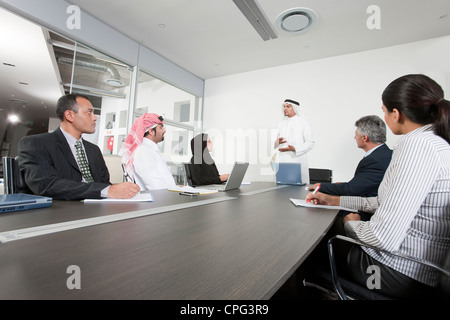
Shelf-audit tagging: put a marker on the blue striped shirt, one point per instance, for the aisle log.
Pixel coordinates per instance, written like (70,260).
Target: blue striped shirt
(412,210)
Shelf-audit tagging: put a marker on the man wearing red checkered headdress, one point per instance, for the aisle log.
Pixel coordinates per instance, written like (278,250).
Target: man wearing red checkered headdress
(141,156)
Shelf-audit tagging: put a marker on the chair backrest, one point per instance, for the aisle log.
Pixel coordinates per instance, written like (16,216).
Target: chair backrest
(13,178)
(126,175)
(188,172)
(320,175)
(445,279)
(113,163)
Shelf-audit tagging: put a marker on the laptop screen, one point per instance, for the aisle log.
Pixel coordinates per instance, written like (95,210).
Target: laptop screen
(289,173)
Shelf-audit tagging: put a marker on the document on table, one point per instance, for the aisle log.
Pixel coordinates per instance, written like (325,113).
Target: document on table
(303,203)
(140,197)
(189,189)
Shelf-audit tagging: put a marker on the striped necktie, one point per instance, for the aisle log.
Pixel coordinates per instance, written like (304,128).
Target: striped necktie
(82,163)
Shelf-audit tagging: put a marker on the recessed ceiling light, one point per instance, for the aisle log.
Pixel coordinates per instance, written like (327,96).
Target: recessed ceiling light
(13,118)
(114,82)
(296,20)
(24,83)
(162,25)
(9,64)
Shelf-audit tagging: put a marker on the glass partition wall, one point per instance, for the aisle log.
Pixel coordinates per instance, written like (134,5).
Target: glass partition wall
(119,92)
(106,81)
(182,113)
(109,85)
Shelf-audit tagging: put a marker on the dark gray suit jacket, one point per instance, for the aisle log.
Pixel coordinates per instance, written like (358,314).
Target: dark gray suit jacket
(367,178)
(50,169)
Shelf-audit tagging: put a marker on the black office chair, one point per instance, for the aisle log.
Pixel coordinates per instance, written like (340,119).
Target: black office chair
(126,175)
(320,175)
(344,289)
(14,181)
(188,172)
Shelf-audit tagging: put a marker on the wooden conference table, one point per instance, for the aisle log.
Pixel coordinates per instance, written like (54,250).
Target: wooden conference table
(240,244)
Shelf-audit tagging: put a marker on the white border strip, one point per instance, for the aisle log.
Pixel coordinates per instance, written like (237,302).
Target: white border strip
(251,193)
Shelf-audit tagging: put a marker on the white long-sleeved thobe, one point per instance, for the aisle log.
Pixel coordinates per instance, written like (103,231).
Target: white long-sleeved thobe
(150,169)
(298,133)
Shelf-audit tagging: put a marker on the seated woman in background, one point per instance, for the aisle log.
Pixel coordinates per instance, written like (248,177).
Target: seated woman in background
(204,170)
(412,210)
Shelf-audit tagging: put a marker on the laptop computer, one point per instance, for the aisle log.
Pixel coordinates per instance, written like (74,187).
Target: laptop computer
(21,201)
(289,173)
(234,180)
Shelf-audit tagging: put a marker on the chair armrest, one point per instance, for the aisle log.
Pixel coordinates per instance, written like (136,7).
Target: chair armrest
(334,274)
(400,255)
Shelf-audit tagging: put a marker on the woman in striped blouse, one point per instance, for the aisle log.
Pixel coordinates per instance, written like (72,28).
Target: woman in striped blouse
(412,210)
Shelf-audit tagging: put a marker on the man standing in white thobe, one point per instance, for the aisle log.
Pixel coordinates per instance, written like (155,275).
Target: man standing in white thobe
(295,138)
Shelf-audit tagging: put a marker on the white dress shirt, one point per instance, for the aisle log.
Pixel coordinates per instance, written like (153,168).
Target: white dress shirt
(71,141)
(150,169)
(412,210)
(372,150)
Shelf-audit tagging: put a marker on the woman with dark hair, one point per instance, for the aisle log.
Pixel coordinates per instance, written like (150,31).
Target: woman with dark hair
(419,100)
(412,209)
(204,170)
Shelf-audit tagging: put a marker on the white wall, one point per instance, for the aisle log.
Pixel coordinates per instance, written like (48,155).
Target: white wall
(333,94)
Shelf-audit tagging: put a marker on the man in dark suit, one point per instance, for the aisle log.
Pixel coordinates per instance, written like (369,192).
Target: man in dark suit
(50,164)
(370,136)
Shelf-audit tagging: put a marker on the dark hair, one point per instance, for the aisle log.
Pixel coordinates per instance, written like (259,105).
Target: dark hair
(148,132)
(421,100)
(199,148)
(373,127)
(68,102)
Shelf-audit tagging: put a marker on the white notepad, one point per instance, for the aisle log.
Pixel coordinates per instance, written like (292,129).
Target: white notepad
(303,203)
(140,197)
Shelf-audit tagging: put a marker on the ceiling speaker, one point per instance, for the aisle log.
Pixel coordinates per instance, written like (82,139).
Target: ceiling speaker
(296,20)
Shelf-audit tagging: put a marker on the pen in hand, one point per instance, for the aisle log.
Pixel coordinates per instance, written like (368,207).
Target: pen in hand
(314,192)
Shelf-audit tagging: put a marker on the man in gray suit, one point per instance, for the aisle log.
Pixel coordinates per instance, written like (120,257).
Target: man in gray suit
(53,166)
